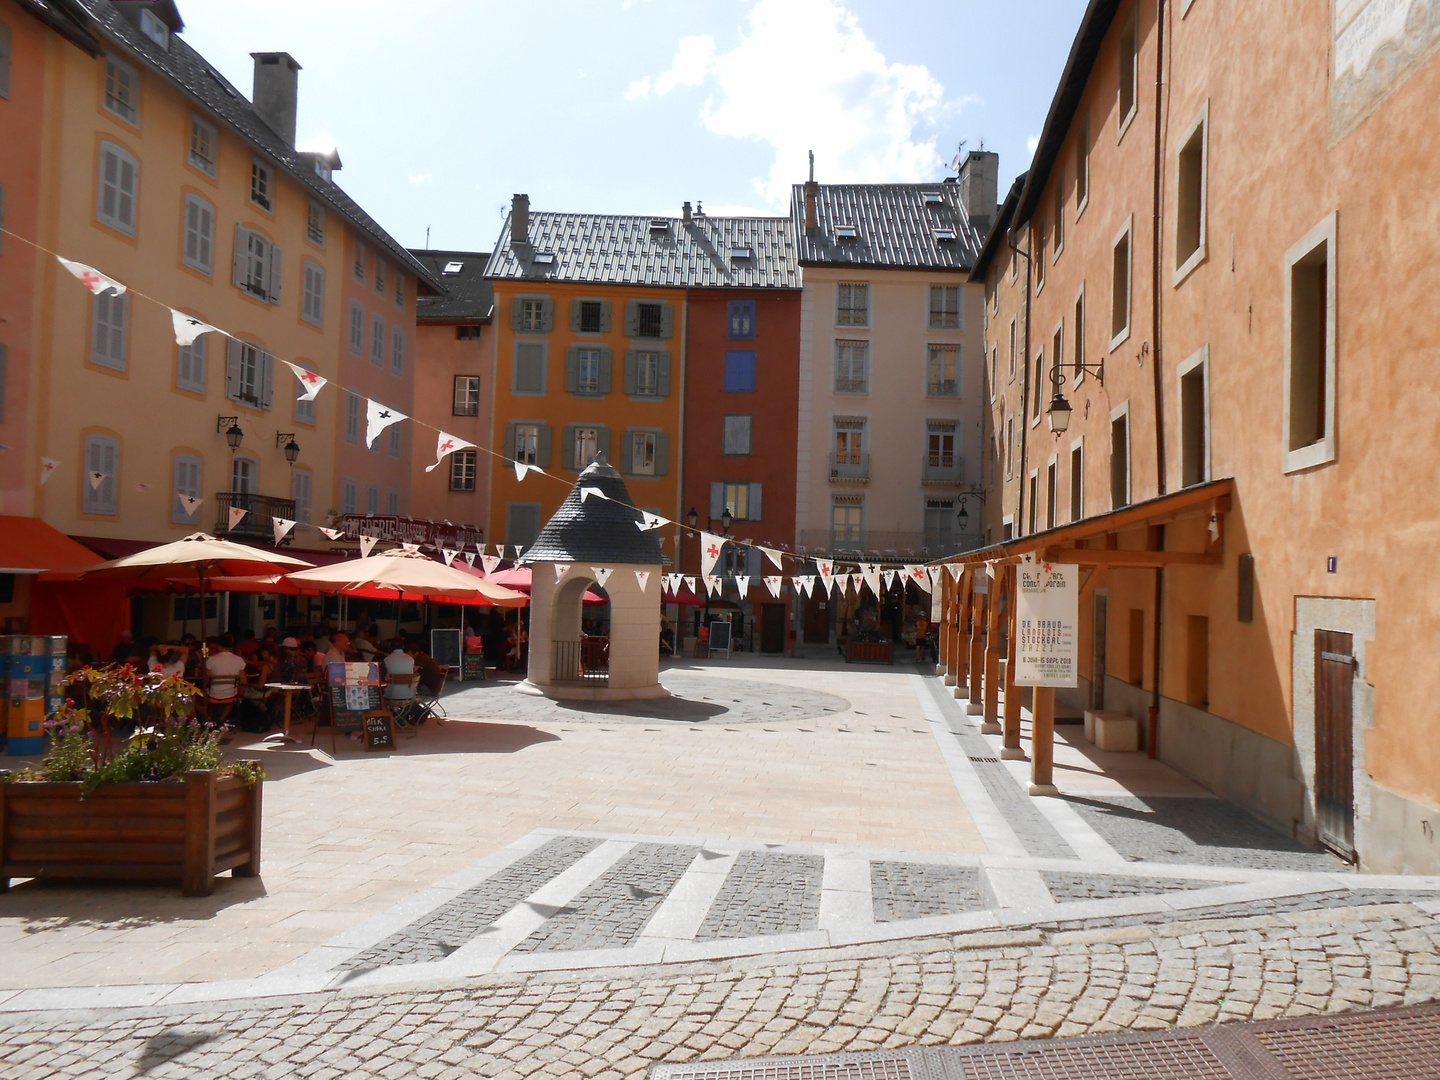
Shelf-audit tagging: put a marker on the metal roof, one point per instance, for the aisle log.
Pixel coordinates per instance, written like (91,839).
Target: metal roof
(469,295)
(895,227)
(597,531)
(192,73)
(999,232)
(624,249)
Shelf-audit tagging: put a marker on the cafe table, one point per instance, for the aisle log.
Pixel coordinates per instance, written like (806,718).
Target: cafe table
(289,690)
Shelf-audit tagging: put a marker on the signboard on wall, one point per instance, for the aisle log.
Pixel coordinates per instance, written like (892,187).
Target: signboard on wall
(1047,613)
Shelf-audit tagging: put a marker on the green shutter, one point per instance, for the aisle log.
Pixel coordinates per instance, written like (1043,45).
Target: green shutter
(667,319)
(605,370)
(629,371)
(662,454)
(572,368)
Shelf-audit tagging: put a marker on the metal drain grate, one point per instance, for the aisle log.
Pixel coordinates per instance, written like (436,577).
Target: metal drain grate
(1177,1059)
(812,1069)
(1377,1048)
(987,760)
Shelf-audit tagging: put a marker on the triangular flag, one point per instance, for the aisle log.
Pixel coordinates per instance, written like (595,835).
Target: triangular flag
(856,580)
(560,569)
(281,526)
(797,584)
(871,573)
(445,445)
(332,534)
(489,562)
(689,582)
(711,545)
(367,544)
(469,558)
(236,516)
(95,281)
(188,328)
(889,577)
(48,465)
(826,571)
(742,582)
(96,479)
(934,572)
(411,548)
(521,469)
(377,418)
(602,575)
(642,578)
(448,554)
(842,583)
(650,521)
(712,584)
(774,557)
(773,583)
(517,548)
(917,574)
(586,492)
(310,383)
(956,569)
(809,584)
(190,503)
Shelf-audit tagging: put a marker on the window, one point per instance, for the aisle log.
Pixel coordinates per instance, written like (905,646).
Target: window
(199,234)
(467,333)
(315,223)
(1036,396)
(587,370)
(532,315)
(249,374)
(350,496)
(377,340)
(642,453)
(204,145)
(1190,198)
(586,445)
(741,321)
(397,440)
(392,502)
(994,370)
(122,90)
(399,289)
(650,320)
(1128,71)
(300,485)
(1082,164)
(257,265)
(190,365)
(305,410)
(852,367)
(1194,420)
(357,327)
(1037,245)
(5,50)
(119,179)
(187,485)
(940,445)
(1051,479)
(849,444)
(1077,482)
(244,475)
(102,455)
(312,303)
(354,405)
(1059,212)
(1310,304)
(1012,350)
(260,184)
(647,373)
(852,306)
(590,316)
(1077,345)
(372,499)
(1009,447)
(1120,458)
(359,267)
(944,307)
(154,28)
(527,444)
(522,523)
(467,396)
(1034,504)
(847,514)
(462,470)
(736,437)
(397,351)
(1057,352)
(741,499)
(1120,288)
(943,371)
(109,316)
(379,276)
(529,375)
(739,370)
(940,524)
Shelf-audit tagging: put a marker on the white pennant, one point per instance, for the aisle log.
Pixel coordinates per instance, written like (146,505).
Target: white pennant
(642,578)
(797,584)
(48,465)
(871,573)
(411,548)
(377,418)
(710,547)
(826,570)
(934,572)
(188,328)
(281,526)
(560,569)
(236,516)
(650,521)
(445,445)
(602,575)
(842,583)
(956,569)
(742,582)
(367,544)
(917,574)
(142,487)
(95,281)
(310,383)
(889,578)
(809,580)
(689,582)
(332,534)
(712,584)
(773,583)
(489,562)
(190,503)
(856,580)
(774,557)
(516,548)
(448,554)
(586,492)
(522,470)
(469,558)
(96,479)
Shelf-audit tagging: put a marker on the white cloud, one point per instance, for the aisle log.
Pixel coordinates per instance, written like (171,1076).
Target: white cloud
(640,88)
(692,63)
(1031,144)
(422,178)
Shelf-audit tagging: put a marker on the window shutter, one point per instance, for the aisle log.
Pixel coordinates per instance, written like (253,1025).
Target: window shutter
(629,371)
(667,320)
(232,369)
(664,389)
(752,562)
(717,499)
(542,447)
(602,442)
(604,371)
(547,314)
(567,447)
(604,316)
(237,265)
(267,385)
(632,319)
(272,279)
(575,315)
(662,453)
(508,446)
(627,451)
(110,453)
(515,314)
(572,366)
(755,502)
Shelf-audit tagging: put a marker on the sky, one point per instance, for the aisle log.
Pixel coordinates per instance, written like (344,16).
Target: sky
(442,110)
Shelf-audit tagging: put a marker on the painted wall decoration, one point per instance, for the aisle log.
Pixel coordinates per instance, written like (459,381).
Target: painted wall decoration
(1377,45)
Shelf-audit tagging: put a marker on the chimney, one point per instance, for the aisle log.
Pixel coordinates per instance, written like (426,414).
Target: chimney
(979,188)
(812,192)
(274,97)
(519,220)
(685,213)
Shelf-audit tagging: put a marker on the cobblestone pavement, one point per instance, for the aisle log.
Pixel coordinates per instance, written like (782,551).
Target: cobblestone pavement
(1239,964)
(902,891)
(1065,887)
(766,893)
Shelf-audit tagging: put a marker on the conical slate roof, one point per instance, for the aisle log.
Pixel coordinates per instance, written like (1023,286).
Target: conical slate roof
(597,531)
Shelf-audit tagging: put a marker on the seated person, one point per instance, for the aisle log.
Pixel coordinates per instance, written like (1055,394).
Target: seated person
(124,648)
(432,675)
(339,647)
(168,662)
(291,667)
(224,671)
(399,663)
(365,645)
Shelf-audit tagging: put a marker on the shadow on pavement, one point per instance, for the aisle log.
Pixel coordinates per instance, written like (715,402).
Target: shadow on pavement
(119,905)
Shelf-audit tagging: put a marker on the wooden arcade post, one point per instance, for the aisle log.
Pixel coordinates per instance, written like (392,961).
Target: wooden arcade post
(977,646)
(1011,750)
(1042,742)
(990,724)
(958,647)
(946,629)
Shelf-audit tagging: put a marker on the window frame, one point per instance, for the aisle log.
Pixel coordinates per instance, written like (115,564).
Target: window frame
(739,362)
(648,439)
(944,311)
(642,358)
(1324,450)
(304,411)
(96,500)
(312,301)
(726,443)
(209,168)
(397,350)
(120,67)
(931,383)
(744,311)
(544,366)
(178,516)
(302,506)
(315,222)
(1129,28)
(112,303)
(1199,361)
(845,314)
(377,339)
(1080,314)
(356,333)
(1127,234)
(122,157)
(852,344)
(1122,412)
(1077,478)
(1082,164)
(189,352)
(464,467)
(1199,127)
(470,408)
(262,175)
(650,314)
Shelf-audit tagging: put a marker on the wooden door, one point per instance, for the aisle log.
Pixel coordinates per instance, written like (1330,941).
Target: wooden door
(1334,741)
(772,628)
(1097,653)
(817,616)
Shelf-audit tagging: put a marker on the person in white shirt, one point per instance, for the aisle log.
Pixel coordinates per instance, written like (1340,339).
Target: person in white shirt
(399,663)
(339,646)
(224,675)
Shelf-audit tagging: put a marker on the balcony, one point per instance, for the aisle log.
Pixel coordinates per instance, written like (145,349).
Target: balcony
(851,466)
(943,388)
(845,384)
(942,467)
(261,511)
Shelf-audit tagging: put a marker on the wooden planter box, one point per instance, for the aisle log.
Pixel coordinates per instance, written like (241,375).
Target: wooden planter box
(174,830)
(870,652)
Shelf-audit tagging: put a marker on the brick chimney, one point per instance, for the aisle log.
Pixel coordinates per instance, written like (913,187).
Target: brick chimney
(519,220)
(276,91)
(979,188)
(812,195)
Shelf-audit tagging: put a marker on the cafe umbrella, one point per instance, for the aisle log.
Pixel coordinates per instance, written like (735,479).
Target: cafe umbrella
(409,575)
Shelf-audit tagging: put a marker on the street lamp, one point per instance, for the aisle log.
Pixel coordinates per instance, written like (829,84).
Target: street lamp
(286,440)
(963,517)
(1059,411)
(230,425)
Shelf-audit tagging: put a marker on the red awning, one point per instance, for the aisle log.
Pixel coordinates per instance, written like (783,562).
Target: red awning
(29,546)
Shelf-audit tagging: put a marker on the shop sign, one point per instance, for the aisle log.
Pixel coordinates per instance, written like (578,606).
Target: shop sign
(403,530)
(1047,639)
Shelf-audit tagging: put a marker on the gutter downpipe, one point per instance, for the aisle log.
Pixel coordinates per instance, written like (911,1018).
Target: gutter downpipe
(1157,360)
(1024,396)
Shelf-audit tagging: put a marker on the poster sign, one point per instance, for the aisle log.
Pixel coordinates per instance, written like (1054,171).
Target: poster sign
(1047,614)
(354,690)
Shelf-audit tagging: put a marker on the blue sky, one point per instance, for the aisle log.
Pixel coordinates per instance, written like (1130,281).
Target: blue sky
(442,110)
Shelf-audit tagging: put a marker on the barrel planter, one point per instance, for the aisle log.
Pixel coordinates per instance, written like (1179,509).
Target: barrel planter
(870,652)
(185,830)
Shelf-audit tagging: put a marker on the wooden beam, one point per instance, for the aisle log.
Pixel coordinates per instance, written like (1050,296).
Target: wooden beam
(1141,559)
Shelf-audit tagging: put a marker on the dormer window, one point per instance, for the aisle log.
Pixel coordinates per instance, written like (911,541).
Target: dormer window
(846,232)
(933,198)
(741,251)
(944,234)
(453,268)
(659,225)
(322,169)
(544,258)
(154,29)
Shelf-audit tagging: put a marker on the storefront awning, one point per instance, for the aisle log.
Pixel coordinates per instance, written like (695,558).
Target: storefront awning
(29,546)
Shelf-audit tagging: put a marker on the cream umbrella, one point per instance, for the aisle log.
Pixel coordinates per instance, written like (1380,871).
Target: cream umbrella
(411,575)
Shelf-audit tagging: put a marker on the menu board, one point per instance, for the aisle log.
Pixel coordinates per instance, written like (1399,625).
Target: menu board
(354,690)
(379,730)
(1047,618)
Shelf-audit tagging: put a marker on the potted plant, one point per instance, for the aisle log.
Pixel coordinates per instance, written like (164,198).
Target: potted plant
(867,645)
(164,806)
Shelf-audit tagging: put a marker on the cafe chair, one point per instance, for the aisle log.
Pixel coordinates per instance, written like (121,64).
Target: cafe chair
(222,694)
(428,701)
(407,709)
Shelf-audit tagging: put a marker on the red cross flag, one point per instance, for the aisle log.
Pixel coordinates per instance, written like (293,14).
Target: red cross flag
(710,548)
(48,465)
(641,578)
(93,280)
(445,445)
(236,516)
(310,382)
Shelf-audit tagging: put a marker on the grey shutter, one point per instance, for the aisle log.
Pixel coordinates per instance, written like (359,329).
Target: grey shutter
(515,314)
(602,442)
(572,366)
(629,371)
(627,451)
(508,446)
(664,389)
(547,314)
(267,380)
(604,371)
(237,264)
(604,316)
(632,318)
(752,562)
(667,319)
(662,453)
(754,502)
(575,315)
(232,369)
(567,447)
(542,447)
(272,279)
(717,500)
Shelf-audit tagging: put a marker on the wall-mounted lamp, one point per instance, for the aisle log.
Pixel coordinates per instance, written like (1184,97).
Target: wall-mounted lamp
(286,440)
(230,425)
(1059,411)
(962,518)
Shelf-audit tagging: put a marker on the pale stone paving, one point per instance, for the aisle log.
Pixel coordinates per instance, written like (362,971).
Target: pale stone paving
(1027,984)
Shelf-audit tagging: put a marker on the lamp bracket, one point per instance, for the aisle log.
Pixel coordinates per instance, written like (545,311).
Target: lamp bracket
(283,437)
(225,423)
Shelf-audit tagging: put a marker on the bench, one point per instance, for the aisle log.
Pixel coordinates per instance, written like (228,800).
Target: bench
(1112,730)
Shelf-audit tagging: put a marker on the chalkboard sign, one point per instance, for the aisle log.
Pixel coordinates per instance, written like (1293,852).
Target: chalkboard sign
(720,636)
(445,648)
(354,690)
(474,666)
(379,730)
